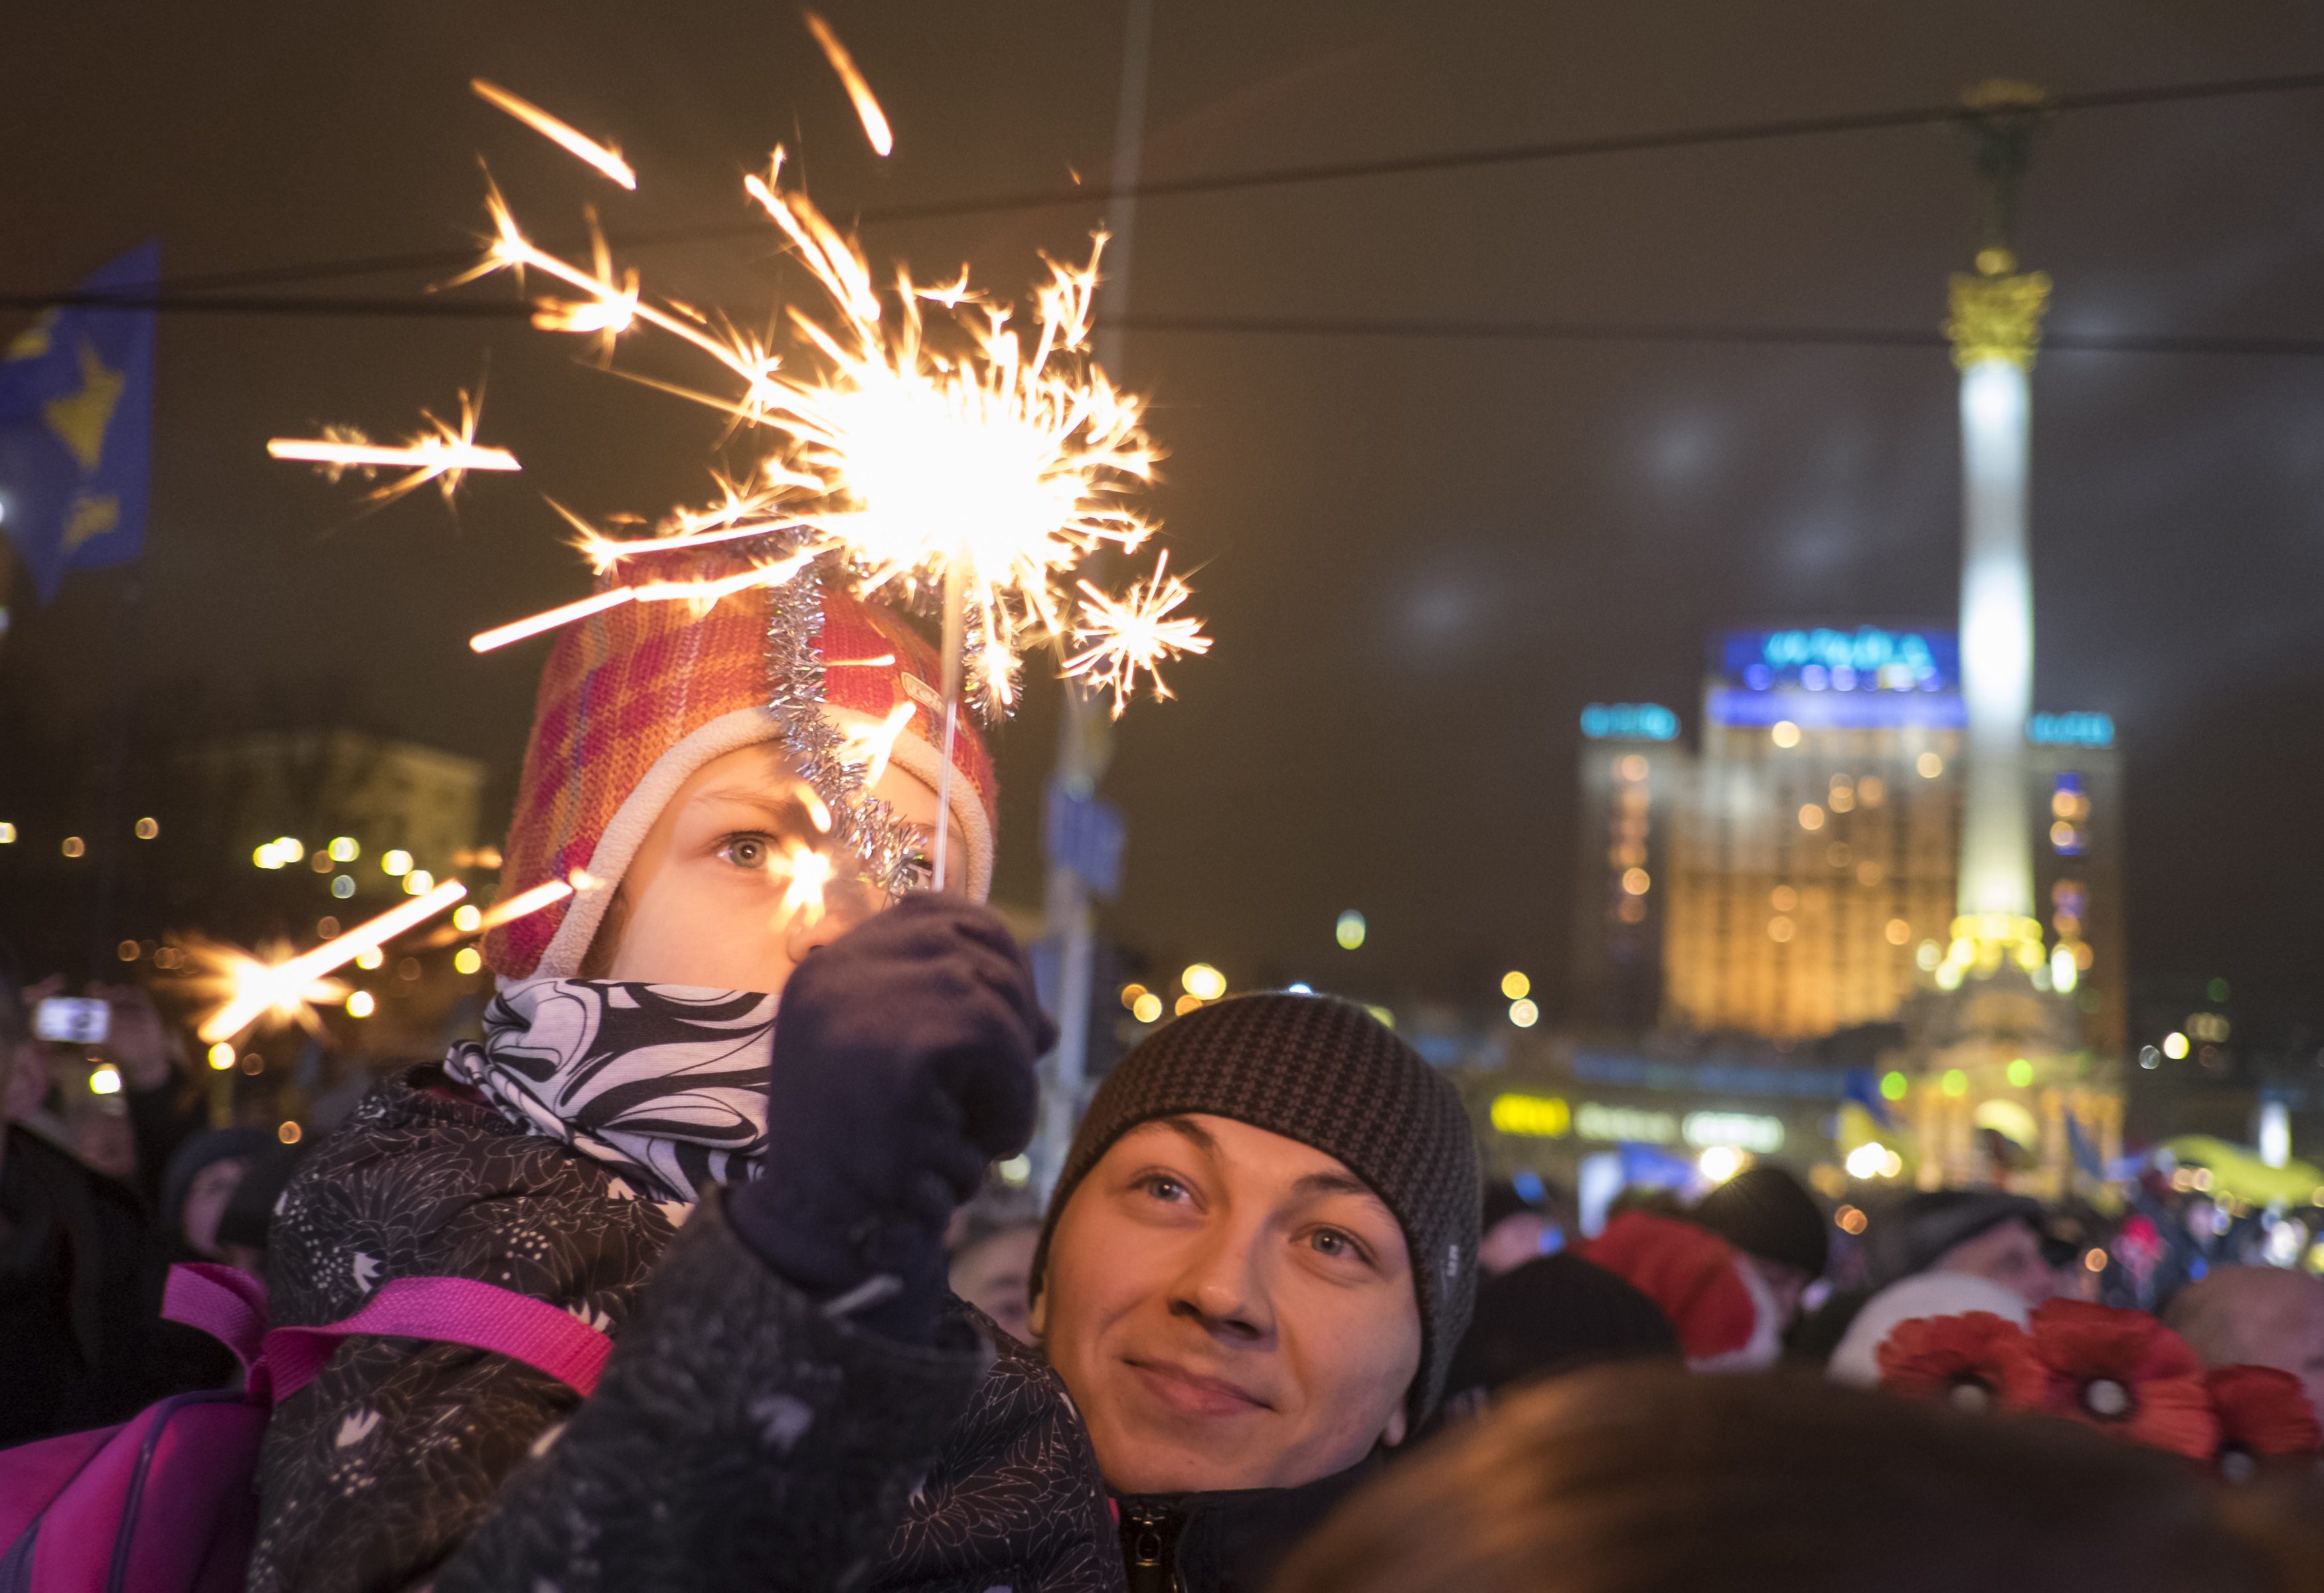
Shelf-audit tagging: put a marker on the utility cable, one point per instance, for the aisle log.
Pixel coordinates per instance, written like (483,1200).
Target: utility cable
(1284,177)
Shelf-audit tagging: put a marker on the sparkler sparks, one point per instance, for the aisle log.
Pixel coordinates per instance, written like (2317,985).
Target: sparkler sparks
(1134,633)
(872,745)
(875,121)
(443,457)
(263,983)
(703,594)
(291,988)
(810,872)
(604,157)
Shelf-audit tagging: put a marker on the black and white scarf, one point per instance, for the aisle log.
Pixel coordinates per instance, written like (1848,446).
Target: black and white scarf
(664,1084)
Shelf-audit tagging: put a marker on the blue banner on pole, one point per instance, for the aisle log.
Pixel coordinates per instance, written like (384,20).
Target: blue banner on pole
(76,429)
(1082,834)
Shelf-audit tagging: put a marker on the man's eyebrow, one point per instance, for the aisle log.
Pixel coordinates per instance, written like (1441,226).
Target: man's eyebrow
(1348,1183)
(1194,1133)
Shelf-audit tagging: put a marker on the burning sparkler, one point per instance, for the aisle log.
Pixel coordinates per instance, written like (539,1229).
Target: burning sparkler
(293,986)
(252,987)
(923,440)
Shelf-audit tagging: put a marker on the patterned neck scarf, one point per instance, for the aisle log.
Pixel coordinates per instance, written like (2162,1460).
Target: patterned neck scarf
(664,1084)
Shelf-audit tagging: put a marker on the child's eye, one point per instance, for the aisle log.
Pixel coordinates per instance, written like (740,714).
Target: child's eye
(746,851)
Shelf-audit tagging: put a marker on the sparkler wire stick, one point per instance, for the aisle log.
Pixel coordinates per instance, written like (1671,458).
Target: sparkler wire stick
(956,629)
(243,1009)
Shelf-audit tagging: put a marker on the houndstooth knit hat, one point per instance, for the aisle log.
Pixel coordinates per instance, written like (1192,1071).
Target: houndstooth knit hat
(634,699)
(1328,1074)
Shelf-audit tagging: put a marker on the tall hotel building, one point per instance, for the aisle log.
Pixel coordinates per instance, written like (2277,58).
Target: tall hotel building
(1796,873)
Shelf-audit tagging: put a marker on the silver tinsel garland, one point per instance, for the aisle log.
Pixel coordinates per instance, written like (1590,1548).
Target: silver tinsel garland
(893,855)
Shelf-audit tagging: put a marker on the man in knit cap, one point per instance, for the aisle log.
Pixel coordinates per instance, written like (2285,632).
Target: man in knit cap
(1260,1257)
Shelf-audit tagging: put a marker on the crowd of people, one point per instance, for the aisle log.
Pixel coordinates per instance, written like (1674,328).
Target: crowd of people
(1272,1326)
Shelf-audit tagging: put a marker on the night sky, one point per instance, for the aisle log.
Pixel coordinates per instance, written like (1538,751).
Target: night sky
(1420,558)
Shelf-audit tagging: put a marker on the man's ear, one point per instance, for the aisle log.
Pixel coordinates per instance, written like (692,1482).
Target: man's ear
(1398,1425)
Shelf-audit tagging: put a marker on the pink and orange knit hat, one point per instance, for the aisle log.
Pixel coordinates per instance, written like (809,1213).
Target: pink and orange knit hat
(634,699)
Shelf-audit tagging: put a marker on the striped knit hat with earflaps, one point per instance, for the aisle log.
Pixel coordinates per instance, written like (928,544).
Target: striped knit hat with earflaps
(1328,1074)
(633,700)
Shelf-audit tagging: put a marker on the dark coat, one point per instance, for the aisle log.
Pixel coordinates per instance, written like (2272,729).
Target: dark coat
(741,1438)
(81,1340)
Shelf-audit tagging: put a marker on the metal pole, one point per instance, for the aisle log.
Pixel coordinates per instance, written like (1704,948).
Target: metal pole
(1082,743)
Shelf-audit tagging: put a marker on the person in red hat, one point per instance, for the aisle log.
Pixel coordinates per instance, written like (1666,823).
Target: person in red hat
(729,790)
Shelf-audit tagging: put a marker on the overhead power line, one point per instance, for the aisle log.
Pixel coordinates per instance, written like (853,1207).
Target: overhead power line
(430,306)
(1279,177)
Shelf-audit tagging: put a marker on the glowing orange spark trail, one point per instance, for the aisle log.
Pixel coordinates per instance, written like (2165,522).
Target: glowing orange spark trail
(875,121)
(872,745)
(604,157)
(522,904)
(261,986)
(443,456)
(704,593)
(431,455)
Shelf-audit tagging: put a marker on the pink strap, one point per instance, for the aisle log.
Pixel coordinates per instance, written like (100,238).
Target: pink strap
(454,1311)
(223,1302)
(230,1305)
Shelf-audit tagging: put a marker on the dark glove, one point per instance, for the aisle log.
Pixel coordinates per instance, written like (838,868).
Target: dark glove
(903,1065)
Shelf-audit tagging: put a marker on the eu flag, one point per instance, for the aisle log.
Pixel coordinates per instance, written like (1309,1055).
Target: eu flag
(76,429)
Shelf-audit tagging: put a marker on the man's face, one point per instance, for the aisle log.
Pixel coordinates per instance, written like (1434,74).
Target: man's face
(2008,1254)
(1230,1309)
(710,899)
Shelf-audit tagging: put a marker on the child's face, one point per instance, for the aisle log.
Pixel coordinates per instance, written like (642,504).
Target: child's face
(723,893)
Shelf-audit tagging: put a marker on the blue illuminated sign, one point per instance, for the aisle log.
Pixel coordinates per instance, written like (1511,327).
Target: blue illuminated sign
(1629,722)
(1829,710)
(1865,659)
(2071,730)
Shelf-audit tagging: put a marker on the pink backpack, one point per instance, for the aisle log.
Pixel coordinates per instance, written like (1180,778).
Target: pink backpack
(167,1502)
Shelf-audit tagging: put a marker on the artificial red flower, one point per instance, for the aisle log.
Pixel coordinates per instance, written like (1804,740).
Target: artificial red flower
(2264,1413)
(1975,1359)
(2126,1374)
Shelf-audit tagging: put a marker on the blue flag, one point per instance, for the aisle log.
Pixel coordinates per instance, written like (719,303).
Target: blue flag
(76,429)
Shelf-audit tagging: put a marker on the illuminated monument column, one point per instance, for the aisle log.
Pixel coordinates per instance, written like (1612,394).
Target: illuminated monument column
(2000,1050)
(1995,326)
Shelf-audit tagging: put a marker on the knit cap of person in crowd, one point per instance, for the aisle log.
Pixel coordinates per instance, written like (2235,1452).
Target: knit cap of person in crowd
(782,701)
(1777,1229)
(1262,1249)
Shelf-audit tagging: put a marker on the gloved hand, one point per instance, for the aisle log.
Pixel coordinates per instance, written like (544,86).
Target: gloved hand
(903,1065)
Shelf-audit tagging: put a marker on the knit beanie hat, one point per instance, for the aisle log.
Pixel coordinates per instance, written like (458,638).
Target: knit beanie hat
(1556,1313)
(1330,1076)
(1764,1212)
(638,696)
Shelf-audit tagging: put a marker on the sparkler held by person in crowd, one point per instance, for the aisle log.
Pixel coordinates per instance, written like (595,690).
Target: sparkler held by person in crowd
(954,457)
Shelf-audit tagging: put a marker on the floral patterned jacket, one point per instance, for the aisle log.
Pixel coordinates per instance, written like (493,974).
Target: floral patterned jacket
(740,1438)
